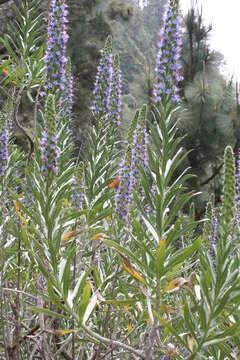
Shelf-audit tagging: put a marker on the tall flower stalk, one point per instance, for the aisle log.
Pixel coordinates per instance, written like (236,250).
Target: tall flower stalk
(107,87)
(139,148)
(117,91)
(168,65)
(214,231)
(124,192)
(50,152)
(55,56)
(4,135)
(136,156)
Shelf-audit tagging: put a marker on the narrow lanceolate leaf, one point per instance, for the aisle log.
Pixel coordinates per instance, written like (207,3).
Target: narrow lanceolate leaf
(92,303)
(129,325)
(84,301)
(175,284)
(69,235)
(39,310)
(161,251)
(190,342)
(171,329)
(21,217)
(179,283)
(183,255)
(130,269)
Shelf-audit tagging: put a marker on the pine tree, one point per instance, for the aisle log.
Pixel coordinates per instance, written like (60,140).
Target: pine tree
(209,102)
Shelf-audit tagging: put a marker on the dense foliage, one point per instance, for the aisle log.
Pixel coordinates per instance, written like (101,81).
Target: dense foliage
(99,258)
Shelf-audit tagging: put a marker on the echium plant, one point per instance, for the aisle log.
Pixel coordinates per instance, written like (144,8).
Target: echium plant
(69,87)
(168,65)
(107,88)
(139,147)
(104,81)
(55,56)
(77,196)
(238,189)
(4,135)
(124,191)
(134,159)
(116,91)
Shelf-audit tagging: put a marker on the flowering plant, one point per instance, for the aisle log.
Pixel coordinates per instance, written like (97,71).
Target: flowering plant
(99,255)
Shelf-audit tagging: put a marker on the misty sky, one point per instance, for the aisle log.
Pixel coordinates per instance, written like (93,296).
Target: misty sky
(225,18)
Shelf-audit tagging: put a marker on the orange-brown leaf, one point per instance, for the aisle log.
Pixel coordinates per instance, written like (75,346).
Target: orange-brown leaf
(16,204)
(130,269)
(190,342)
(5,72)
(129,325)
(114,184)
(175,284)
(70,234)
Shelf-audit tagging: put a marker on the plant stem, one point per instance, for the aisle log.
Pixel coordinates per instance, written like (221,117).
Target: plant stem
(112,342)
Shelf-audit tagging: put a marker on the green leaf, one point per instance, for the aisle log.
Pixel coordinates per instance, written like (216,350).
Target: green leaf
(84,301)
(183,255)
(124,251)
(54,296)
(39,310)
(160,257)
(66,273)
(170,329)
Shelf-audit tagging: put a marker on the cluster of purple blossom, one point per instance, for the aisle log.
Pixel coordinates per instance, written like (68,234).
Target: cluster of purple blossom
(50,153)
(139,152)
(214,231)
(130,174)
(124,193)
(107,88)
(168,66)
(168,70)
(55,56)
(77,197)
(117,91)
(69,89)
(3,150)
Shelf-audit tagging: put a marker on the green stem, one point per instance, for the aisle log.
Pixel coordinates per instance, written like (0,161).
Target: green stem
(111,342)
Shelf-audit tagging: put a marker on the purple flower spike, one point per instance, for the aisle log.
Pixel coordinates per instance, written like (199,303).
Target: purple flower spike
(4,137)
(3,151)
(139,153)
(238,179)
(238,189)
(77,197)
(55,56)
(124,192)
(116,93)
(107,88)
(168,66)
(214,231)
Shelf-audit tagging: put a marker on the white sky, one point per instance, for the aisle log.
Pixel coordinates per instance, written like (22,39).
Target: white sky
(225,18)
